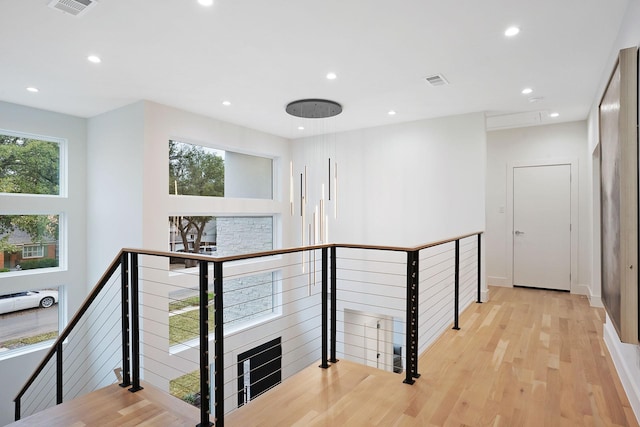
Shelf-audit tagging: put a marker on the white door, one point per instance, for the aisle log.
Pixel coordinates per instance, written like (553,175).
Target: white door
(372,344)
(542,226)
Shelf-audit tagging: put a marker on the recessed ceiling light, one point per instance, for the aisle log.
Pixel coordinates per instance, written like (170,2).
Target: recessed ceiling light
(226,103)
(511,31)
(527,91)
(300,127)
(206,2)
(33,89)
(554,115)
(536,99)
(391,113)
(331,76)
(94,58)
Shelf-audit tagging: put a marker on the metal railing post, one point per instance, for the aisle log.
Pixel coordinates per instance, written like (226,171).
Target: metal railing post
(416,299)
(325,308)
(124,302)
(59,384)
(479,301)
(334,306)
(456,291)
(18,410)
(205,392)
(218,356)
(411,324)
(135,325)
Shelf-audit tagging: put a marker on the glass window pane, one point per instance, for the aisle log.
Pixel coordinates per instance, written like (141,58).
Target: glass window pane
(29,165)
(219,236)
(28,318)
(28,242)
(246,299)
(195,170)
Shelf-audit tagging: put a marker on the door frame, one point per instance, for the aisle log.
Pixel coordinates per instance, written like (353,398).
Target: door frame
(575,226)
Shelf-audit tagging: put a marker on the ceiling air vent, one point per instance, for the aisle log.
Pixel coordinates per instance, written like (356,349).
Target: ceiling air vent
(436,80)
(73,7)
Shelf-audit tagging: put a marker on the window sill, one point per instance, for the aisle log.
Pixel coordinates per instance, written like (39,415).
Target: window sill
(17,352)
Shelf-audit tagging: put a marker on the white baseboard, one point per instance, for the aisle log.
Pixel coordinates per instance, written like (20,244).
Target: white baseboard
(498,281)
(580,289)
(626,359)
(595,301)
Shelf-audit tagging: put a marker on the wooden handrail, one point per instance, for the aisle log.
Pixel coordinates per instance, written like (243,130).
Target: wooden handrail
(210,258)
(74,321)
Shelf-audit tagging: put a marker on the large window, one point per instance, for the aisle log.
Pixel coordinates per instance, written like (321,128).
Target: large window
(32,171)
(195,170)
(29,165)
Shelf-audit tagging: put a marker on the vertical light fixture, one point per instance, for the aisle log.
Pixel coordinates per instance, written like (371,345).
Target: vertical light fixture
(316,109)
(291,209)
(318,230)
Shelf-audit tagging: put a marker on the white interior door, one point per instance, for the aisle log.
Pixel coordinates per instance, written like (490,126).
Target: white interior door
(372,343)
(542,226)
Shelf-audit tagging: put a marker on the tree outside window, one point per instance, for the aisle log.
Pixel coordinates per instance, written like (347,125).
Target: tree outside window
(29,166)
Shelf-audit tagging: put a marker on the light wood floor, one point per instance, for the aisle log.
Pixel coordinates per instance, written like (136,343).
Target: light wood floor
(116,406)
(526,358)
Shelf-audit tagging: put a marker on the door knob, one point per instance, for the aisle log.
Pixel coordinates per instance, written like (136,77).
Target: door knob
(517,232)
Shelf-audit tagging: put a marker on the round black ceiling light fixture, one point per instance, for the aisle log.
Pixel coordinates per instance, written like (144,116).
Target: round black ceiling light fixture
(314,108)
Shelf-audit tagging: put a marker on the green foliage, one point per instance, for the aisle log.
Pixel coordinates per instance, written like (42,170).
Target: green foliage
(186,326)
(187,302)
(38,263)
(39,227)
(186,387)
(197,171)
(29,166)
(4,270)
(5,246)
(190,398)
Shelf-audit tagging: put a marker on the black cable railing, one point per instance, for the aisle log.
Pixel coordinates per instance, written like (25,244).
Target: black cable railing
(226,331)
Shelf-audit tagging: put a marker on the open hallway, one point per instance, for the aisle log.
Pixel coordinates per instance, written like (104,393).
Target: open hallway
(525,358)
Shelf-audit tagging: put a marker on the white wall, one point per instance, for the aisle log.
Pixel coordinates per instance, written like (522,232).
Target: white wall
(402,184)
(539,144)
(15,370)
(115,169)
(626,357)
(398,185)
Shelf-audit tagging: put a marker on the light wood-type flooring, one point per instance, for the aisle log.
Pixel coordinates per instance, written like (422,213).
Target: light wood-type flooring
(525,358)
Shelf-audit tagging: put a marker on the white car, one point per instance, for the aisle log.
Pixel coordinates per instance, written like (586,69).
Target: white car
(27,299)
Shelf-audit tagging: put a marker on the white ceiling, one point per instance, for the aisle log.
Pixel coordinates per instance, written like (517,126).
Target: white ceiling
(262,54)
